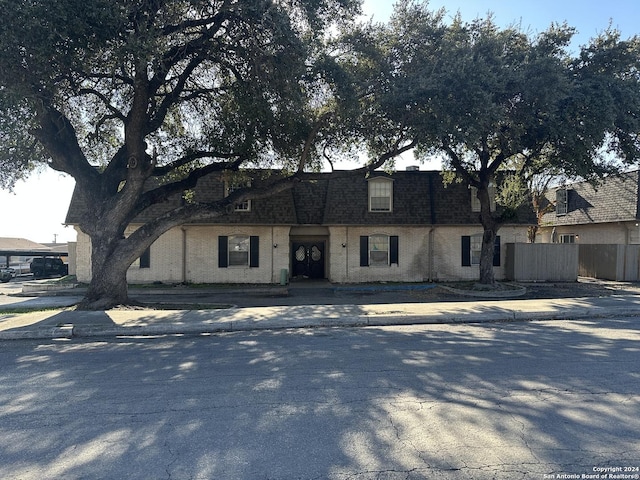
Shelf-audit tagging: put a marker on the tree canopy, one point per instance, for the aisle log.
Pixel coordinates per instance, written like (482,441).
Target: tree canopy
(118,93)
(481,97)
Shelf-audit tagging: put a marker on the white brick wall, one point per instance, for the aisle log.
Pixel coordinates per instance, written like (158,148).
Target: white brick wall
(604,233)
(83,256)
(198,245)
(448,255)
(166,260)
(344,263)
(202,255)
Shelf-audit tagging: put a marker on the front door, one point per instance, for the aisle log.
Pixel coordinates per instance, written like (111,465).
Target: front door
(308,259)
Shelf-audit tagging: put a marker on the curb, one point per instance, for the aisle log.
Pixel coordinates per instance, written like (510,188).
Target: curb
(70,331)
(62,291)
(40,333)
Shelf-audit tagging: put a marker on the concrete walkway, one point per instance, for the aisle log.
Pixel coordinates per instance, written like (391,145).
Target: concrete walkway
(24,317)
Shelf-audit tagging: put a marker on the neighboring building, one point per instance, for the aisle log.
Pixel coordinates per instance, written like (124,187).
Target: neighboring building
(405,227)
(17,253)
(606,214)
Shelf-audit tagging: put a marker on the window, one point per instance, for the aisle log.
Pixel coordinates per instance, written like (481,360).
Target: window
(476,249)
(380,195)
(562,201)
(567,238)
(233,186)
(238,251)
(145,258)
(475,202)
(634,234)
(472,247)
(378,250)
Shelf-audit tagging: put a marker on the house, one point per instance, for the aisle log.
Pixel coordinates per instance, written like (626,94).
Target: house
(605,223)
(404,227)
(606,214)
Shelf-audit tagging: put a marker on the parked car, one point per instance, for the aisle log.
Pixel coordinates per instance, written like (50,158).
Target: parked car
(45,267)
(6,274)
(20,268)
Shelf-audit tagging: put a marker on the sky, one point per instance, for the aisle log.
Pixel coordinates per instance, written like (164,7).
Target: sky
(37,208)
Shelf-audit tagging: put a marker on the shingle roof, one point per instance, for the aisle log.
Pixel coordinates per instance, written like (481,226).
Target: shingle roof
(614,200)
(419,198)
(8,243)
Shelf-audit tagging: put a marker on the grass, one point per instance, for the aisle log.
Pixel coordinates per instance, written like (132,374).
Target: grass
(66,280)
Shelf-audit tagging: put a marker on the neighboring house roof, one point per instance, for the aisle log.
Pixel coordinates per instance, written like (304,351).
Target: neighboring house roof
(614,200)
(21,244)
(21,247)
(58,247)
(419,198)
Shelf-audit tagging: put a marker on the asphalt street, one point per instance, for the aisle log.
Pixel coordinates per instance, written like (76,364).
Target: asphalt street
(488,401)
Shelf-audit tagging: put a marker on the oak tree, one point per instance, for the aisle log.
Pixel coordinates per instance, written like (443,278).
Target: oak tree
(478,96)
(138,100)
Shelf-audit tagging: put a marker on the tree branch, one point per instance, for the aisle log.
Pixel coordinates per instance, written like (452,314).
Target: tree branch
(163,192)
(192,156)
(116,113)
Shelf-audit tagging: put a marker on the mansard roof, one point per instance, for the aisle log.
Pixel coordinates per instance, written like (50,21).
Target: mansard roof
(419,198)
(614,200)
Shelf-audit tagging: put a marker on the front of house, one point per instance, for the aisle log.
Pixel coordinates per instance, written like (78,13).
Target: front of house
(604,223)
(404,227)
(608,213)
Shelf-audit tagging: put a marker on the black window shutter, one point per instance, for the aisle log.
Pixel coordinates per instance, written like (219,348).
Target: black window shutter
(393,249)
(254,251)
(466,251)
(223,252)
(145,258)
(496,252)
(364,251)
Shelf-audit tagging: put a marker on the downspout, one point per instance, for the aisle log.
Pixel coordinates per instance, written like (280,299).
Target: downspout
(430,254)
(346,259)
(432,208)
(184,254)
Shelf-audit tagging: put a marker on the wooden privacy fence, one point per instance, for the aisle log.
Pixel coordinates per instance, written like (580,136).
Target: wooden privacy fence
(610,262)
(542,262)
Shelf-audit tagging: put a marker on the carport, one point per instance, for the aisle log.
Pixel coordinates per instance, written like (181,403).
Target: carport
(29,253)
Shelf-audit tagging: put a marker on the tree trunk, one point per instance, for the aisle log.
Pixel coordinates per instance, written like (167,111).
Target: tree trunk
(490,226)
(487,276)
(108,286)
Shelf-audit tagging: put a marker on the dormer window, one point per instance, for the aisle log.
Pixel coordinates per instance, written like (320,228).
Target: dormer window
(475,201)
(562,201)
(230,187)
(380,195)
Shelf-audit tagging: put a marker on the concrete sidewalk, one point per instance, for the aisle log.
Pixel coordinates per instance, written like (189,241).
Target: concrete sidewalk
(61,323)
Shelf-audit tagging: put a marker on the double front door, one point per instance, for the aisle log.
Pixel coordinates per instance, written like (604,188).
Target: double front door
(308,259)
